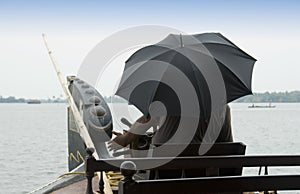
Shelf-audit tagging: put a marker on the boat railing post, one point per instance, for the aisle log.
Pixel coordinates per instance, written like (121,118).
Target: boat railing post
(126,185)
(101,183)
(266,170)
(266,173)
(89,172)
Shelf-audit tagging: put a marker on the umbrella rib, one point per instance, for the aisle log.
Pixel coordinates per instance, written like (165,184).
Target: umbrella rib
(231,44)
(226,45)
(146,60)
(221,36)
(237,48)
(245,85)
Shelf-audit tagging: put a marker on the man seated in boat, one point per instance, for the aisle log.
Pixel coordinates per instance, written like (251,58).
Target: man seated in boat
(167,126)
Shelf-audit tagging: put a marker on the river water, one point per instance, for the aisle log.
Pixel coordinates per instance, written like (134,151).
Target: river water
(33,142)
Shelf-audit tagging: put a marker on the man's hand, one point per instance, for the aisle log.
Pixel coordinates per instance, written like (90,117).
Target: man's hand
(121,141)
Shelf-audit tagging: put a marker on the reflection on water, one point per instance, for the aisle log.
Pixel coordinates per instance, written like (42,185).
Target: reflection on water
(34,139)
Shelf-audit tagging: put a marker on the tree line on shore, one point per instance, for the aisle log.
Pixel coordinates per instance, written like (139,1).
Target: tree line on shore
(293,96)
(12,99)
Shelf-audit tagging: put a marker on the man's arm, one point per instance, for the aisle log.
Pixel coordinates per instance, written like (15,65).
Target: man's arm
(138,128)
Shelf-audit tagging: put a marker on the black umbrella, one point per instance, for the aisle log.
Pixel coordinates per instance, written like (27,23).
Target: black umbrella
(191,55)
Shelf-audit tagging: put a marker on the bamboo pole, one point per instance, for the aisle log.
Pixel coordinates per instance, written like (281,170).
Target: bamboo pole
(78,119)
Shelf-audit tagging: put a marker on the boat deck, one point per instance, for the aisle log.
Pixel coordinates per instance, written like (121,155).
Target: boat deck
(78,187)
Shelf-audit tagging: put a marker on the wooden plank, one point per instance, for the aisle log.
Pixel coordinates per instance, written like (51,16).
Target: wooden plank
(200,162)
(214,184)
(77,187)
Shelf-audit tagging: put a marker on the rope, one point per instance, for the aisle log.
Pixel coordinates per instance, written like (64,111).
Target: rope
(114,178)
(69,173)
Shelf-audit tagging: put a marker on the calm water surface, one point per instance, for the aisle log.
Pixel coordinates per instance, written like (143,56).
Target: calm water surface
(34,140)
(33,145)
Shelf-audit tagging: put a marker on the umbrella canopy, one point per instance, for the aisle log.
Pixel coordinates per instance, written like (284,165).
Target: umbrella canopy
(149,71)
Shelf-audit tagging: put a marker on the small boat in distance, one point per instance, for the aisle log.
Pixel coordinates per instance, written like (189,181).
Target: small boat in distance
(34,101)
(262,106)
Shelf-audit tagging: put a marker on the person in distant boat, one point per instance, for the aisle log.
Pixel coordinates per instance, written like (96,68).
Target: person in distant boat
(164,128)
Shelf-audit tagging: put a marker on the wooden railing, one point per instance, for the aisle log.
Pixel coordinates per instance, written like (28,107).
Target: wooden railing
(196,185)
(210,185)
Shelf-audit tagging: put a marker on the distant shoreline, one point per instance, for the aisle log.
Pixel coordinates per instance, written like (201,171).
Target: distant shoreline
(266,97)
(13,99)
(234,102)
(272,97)
(29,103)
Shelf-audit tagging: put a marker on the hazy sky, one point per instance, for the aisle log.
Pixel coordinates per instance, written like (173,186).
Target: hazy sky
(267,30)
